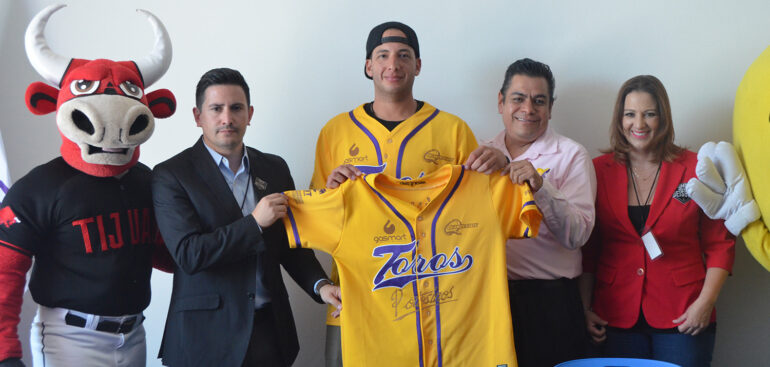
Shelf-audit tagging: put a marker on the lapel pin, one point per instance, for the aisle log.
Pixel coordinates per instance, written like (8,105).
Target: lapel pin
(681,193)
(260,184)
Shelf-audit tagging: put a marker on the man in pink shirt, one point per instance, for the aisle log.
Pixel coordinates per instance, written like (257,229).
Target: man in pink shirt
(547,314)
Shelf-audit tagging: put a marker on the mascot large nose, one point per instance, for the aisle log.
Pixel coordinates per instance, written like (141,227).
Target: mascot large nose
(51,66)
(84,124)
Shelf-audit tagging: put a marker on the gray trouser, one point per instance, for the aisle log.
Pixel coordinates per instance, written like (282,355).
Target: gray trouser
(54,343)
(333,346)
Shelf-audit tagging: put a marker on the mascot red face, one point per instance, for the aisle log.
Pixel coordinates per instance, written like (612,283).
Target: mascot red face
(102,111)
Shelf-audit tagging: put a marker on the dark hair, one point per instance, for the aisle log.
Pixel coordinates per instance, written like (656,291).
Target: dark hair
(663,147)
(529,68)
(217,77)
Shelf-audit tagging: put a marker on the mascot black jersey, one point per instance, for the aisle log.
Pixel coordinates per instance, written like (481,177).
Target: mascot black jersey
(92,237)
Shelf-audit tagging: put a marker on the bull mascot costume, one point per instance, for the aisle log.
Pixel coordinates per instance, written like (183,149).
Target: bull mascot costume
(85,217)
(723,188)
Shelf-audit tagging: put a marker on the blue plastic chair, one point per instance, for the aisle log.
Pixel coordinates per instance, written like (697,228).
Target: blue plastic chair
(615,362)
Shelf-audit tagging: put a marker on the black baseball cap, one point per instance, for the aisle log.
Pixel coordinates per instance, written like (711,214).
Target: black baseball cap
(375,39)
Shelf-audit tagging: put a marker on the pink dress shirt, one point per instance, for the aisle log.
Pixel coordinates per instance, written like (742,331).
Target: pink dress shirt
(567,202)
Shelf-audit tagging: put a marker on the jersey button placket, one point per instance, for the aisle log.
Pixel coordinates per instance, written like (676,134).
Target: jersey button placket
(385,154)
(425,288)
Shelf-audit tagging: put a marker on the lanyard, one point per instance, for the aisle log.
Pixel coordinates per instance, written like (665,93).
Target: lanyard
(245,193)
(636,191)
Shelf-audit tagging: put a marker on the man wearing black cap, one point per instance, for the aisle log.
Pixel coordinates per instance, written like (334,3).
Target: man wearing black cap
(394,134)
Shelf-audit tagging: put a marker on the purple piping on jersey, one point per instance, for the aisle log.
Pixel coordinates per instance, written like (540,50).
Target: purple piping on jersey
(414,285)
(3,187)
(433,248)
(294,228)
(406,140)
(369,134)
(368,170)
(528,203)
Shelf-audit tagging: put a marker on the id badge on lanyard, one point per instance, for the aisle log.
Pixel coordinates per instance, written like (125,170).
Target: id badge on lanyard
(651,244)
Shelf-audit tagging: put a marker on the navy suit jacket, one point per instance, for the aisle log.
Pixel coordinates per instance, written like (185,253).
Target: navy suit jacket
(217,251)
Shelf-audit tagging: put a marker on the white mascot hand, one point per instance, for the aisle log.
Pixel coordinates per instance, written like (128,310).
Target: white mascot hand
(721,188)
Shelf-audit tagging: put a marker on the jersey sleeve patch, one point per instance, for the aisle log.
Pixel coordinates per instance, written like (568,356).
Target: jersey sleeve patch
(7,217)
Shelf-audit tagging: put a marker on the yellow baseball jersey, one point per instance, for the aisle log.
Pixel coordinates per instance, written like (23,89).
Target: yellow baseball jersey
(422,264)
(419,145)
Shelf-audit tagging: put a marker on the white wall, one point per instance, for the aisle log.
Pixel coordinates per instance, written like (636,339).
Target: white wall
(304,62)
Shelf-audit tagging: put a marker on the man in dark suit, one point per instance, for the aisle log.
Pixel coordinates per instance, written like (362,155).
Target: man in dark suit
(216,203)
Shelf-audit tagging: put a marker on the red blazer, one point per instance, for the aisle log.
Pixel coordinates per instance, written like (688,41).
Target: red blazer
(626,279)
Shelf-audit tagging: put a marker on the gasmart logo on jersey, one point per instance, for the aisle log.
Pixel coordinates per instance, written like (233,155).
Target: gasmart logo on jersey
(435,157)
(401,268)
(455,226)
(389,228)
(353,155)
(7,217)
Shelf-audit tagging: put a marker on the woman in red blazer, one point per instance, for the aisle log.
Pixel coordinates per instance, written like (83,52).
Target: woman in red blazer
(655,263)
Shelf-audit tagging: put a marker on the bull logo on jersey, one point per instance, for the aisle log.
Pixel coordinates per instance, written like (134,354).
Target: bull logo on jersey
(455,225)
(353,150)
(398,271)
(435,157)
(7,217)
(389,227)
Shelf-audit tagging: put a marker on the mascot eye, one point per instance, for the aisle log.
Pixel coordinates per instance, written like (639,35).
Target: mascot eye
(131,89)
(81,87)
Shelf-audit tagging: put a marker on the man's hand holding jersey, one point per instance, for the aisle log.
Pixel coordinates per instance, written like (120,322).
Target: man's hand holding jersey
(341,174)
(270,208)
(523,171)
(486,159)
(332,295)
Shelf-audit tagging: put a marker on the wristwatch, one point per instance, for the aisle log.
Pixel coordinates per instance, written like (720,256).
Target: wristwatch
(319,284)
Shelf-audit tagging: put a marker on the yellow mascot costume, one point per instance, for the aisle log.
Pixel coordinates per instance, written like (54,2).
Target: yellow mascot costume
(723,188)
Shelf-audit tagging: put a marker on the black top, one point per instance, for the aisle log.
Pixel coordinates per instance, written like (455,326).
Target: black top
(638,214)
(390,125)
(92,237)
